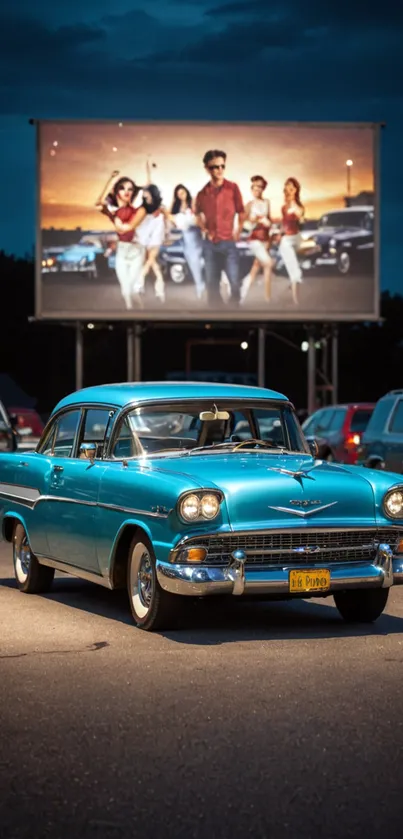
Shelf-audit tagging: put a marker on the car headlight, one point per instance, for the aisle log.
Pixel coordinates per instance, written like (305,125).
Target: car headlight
(393,503)
(199,507)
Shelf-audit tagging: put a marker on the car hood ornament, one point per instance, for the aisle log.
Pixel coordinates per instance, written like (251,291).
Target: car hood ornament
(298,474)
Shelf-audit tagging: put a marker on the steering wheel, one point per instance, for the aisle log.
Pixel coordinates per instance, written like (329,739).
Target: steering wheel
(264,443)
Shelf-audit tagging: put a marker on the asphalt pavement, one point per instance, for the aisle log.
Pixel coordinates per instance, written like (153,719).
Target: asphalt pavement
(331,294)
(267,720)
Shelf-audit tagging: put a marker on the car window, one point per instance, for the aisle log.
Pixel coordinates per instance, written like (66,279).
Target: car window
(271,427)
(337,419)
(380,415)
(360,419)
(324,420)
(310,424)
(59,440)
(125,444)
(97,422)
(396,424)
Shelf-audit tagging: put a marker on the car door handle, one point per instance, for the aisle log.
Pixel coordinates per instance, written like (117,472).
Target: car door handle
(58,468)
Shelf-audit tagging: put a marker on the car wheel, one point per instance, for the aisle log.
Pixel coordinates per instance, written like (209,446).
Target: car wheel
(152,607)
(363,606)
(177,273)
(31,577)
(344,262)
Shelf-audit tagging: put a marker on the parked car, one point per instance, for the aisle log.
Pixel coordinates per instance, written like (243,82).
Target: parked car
(346,240)
(174,264)
(382,442)
(338,430)
(8,437)
(28,426)
(151,487)
(92,255)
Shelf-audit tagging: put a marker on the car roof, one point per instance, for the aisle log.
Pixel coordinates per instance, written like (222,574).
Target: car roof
(358,208)
(348,405)
(125,393)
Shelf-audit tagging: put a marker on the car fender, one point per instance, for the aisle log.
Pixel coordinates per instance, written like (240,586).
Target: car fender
(11,515)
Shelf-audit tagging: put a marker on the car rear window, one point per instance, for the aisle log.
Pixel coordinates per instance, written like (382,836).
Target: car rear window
(380,415)
(397,420)
(360,419)
(338,418)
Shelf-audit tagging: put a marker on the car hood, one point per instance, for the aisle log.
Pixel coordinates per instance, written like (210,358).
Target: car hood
(339,233)
(283,490)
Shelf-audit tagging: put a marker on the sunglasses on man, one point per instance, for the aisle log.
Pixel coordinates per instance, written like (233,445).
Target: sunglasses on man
(216,166)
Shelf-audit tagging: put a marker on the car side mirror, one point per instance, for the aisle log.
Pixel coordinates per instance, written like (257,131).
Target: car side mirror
(88,451)
(313,446)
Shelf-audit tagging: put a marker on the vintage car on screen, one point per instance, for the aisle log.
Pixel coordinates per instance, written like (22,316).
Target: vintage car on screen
(346,240)
(178,489)
(92,255)
(174,264)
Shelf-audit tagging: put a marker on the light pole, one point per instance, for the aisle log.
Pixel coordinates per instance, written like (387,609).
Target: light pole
(349,164)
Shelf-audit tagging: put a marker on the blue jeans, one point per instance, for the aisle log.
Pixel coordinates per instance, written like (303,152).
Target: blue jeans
(193,252)
(221,256)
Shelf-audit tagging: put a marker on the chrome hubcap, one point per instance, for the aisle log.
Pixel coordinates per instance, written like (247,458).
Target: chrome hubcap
(145,578)
(344,262)
(22,559)
(141,580)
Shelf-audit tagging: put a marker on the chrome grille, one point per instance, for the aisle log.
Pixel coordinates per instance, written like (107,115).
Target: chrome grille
(281,548)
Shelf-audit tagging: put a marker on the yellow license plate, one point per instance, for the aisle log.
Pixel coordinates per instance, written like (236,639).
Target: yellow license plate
(315,579)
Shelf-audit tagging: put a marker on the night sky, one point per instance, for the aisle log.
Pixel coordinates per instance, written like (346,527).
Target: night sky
(199,59)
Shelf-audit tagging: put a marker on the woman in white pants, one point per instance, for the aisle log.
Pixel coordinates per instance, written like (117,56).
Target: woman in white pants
(293,214)
(259,222)
(130,254)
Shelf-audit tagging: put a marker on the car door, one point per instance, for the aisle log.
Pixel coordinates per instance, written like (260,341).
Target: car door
(393,440)
(73,487)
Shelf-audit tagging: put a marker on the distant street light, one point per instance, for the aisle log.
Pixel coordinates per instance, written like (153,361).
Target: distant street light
(305,346)
(349,164)
(244,345)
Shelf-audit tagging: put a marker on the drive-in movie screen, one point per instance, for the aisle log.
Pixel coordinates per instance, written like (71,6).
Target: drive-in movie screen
(207,220)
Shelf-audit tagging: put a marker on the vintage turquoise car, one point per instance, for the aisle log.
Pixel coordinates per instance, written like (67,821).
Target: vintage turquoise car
(176,489)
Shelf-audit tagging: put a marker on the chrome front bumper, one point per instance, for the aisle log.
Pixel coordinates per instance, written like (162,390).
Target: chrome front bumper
(238,579)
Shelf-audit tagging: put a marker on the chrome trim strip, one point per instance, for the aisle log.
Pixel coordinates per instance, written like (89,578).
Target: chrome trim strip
(302,513)
(65,500)
(133,511)
(82,573)
(305,550)
(32,503)
(24,502)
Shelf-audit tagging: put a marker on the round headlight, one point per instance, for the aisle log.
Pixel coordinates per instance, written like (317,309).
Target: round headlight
(210,506)
(393,504)
(190,508)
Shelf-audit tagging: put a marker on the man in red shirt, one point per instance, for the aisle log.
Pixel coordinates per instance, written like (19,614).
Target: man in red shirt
(217,205)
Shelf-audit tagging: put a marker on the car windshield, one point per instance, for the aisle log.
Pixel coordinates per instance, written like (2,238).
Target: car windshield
(208,427)
(343,220)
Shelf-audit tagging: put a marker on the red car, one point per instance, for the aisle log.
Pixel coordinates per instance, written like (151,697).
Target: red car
(338,429)
(28,425)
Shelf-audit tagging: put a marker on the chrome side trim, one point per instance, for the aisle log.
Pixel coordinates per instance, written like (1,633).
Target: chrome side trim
(34,498)
(19,493)
(82,573)
(65,500)
(133,511)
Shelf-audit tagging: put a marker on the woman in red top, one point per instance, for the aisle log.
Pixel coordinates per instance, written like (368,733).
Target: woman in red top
(293,214)
(130,254)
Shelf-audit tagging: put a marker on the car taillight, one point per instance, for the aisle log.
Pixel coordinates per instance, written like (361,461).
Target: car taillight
(353,440)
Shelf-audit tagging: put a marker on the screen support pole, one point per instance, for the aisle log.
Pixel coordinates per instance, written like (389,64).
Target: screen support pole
(261,357)
(335,365)
(79,356)
(130,352)
(311,373)
(137,353)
